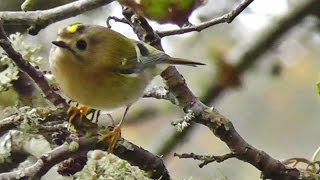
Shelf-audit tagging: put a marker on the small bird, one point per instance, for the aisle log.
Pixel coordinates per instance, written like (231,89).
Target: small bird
(102,69)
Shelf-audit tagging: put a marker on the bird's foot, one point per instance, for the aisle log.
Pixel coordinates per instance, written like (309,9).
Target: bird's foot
(114,135)
(74,111)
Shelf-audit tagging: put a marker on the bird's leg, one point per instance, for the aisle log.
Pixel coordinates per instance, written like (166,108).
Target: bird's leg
(112,120)
(115,133)
(73,111)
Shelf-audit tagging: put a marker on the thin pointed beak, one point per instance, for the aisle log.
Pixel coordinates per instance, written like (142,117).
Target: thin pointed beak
(60,44)
(63,45)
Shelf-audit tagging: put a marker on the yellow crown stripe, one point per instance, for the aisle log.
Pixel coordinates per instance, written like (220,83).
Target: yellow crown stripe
(73,28)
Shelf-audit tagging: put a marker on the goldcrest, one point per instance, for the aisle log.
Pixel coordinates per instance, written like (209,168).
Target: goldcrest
(103,69)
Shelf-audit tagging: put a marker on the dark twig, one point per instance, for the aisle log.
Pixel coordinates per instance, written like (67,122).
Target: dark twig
(116,19)
(41,19)
(227,18)
(206,158)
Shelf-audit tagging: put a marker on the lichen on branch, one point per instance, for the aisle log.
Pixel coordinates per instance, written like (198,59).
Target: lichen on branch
(8,69)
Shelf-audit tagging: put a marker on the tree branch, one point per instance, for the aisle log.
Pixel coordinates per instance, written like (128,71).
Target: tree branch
(249,56)
(7,124)
(217,123)
(126,150)
(227,18)
(223,129)
(206,159)
(41,19)
(135,155)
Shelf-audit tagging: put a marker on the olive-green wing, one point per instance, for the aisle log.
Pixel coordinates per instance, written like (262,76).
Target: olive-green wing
(147,57)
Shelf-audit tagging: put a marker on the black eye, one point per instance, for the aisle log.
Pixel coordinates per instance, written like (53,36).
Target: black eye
(81,45)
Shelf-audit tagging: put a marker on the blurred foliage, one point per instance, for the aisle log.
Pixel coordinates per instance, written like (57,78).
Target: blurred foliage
(318,86)
(165,11)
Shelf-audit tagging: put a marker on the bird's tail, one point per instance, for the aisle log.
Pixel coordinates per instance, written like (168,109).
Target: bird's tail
(180,61)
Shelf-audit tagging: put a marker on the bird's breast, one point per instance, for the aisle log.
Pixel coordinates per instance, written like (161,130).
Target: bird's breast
(104,90)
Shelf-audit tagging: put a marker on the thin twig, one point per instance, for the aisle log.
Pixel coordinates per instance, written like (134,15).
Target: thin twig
(40,19)
(227,18)
(116,19)
(206,159)
(160,93)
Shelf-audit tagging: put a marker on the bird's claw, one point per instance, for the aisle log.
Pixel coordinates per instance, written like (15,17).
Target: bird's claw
(114,136)
(74,111)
